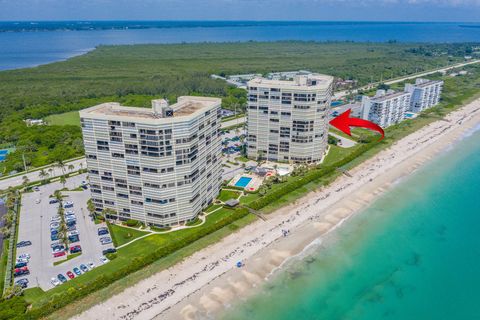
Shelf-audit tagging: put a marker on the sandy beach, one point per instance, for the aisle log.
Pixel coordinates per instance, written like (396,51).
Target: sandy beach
(204,283)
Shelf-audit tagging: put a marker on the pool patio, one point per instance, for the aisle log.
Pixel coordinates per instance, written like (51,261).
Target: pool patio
(248,181)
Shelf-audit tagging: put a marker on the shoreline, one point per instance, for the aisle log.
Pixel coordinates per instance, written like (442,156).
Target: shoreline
(204,283)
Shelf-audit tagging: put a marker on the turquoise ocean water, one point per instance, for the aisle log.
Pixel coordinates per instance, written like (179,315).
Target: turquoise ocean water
(414,254)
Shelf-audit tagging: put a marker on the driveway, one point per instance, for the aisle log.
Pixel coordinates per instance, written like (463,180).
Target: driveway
(346,143)
(35,226)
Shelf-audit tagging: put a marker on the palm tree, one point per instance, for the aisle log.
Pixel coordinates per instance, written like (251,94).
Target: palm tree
(81,165)
(71,167)
(43,174)
(63,180)
(50,171)
(61,165)
(25,181)
(91,207)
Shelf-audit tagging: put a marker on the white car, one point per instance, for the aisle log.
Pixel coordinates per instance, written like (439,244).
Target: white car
(56,243)
(73,233)
(90,265)
(36,189)
(104,260)
(38,201)
(55,219)
(69,212)
(58,249)
(55,282)
(24,256)
(22,260)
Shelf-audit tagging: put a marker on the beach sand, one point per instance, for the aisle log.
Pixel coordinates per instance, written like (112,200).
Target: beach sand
(209,281)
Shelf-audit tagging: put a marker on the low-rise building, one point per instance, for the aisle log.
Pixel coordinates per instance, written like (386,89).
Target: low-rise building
(386,107)
(160,166)
(424,94)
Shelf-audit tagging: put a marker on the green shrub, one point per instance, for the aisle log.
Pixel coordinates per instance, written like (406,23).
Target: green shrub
(13,309)
(131,223)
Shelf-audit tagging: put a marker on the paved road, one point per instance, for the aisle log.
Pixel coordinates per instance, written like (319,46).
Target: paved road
(35,226)
(233,122)
(33,176)
(342,94)
(346,143)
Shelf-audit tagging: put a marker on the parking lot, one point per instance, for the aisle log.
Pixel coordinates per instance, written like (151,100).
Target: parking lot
(35,218)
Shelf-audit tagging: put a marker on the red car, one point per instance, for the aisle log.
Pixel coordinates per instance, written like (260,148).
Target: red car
(59,254)
(70,274)
(20,271)
(75,249)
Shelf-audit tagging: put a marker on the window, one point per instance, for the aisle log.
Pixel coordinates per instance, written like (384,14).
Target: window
(118,155)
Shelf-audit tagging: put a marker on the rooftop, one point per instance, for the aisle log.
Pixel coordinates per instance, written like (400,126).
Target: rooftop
(185,106)
(388,96)
(421,83)
(311,81)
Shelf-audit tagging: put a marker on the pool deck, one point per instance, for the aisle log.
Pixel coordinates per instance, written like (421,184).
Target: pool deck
(253,185)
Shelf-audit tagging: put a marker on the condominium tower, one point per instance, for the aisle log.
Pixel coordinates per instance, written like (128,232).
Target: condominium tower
(288,120)
(386,107)
(424,94)
(160,166)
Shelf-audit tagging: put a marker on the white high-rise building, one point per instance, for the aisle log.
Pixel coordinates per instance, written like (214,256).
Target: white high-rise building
(160,166)
(288,120)
(424,94)
(385,108)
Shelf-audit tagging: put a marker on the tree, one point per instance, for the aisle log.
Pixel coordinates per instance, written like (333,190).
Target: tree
(50,171)
(71,167)
(81,165)
(61,165)
(25,181)
(63,180)
(91,207)
(43,174)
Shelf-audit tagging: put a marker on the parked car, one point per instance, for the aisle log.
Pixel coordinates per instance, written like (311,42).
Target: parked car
(105,240)
(62,278)
(55,219)
(54,225)
(103,260)
(69,213)
(58,254)
(38,201)
(77,271)
(109,250)
(36,189)
(68,204)
(24,244)
(73,233)
(54,237)
(20,271)
(70,274)
(56,243)
(52,201)
(55,282)
(72,228)
(102,231)
(91,265)
(20,264)
(74,238)
(71,223)
(84,268)
(22,260)
(24,256)
(58,248)
(75,249)
(23,283)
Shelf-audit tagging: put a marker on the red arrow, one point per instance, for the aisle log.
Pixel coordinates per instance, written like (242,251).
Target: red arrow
(343,123)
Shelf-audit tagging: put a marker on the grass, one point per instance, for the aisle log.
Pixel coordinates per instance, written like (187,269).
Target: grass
(242,159)
(68,118)
(69,257)
(337,153)
(121,235)
(213,207)
(195,222)
(226,195)
(249,197)
(3,263)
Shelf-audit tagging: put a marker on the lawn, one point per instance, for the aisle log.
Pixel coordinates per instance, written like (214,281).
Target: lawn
(337,153)
(121,235)
(3,263)
(68,118)
(226,195)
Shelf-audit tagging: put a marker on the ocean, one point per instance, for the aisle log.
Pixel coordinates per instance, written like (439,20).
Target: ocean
(27,44)
(413,254)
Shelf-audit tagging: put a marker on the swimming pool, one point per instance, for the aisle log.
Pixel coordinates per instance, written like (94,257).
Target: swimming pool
(243,182)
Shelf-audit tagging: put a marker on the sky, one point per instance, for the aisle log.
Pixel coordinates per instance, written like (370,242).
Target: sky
(359,10)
